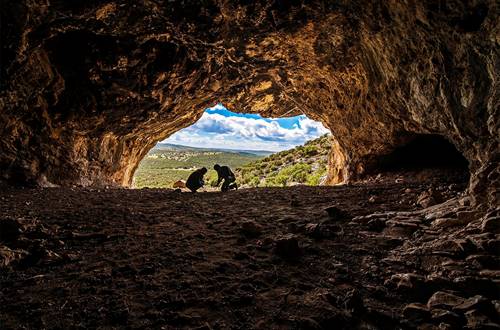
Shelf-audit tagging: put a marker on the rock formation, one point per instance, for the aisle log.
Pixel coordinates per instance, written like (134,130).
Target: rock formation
(88,87)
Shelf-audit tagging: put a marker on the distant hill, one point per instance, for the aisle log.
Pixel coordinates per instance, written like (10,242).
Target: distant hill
(178,147)
(305,164)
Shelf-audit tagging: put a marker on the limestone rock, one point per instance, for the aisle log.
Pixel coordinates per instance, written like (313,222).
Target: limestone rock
(8,256)
(445,300)
(251,229)
(491,224)
(10,229)
(429,198)
(336,213)
(287,246)
(416,312)
(478,320)
(179,184)
(447,317)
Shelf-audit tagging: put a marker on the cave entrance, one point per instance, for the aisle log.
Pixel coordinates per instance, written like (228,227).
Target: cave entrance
(430,152)
(262,152)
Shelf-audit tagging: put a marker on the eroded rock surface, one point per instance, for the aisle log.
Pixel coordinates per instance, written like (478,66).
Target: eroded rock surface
(88,87)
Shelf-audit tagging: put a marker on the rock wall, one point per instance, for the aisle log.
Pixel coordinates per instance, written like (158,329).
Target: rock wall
(88,87)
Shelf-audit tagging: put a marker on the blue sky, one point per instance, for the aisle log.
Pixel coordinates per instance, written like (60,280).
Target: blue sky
(221,128)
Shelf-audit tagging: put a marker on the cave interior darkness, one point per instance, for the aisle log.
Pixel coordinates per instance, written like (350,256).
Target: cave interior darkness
(424,151)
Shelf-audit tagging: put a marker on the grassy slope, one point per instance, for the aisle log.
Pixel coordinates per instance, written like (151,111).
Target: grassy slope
(160,168)
(305,164)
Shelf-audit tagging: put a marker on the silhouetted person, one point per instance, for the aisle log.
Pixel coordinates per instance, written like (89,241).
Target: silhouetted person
(225,173)
(195,179)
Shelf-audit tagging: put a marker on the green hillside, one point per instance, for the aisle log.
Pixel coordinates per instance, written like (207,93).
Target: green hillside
(164,165)
(305,164)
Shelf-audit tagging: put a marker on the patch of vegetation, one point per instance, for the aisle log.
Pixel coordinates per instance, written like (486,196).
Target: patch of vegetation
(305,164)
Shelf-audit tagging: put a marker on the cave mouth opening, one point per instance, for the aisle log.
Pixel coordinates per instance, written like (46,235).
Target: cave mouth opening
(426,152)
(261,151)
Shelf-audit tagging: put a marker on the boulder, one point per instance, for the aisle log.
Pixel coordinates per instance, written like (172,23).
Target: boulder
(416,312)
(444,300)
(336,213)
(429,198)
(179,184)
(251,229)
(10,229)
(491,224)
(9,256)
(287,246)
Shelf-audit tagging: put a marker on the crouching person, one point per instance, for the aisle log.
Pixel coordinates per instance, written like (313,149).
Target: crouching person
(195,179)
(225,173)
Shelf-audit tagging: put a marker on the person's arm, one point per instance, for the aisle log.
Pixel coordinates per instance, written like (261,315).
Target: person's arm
(219,179)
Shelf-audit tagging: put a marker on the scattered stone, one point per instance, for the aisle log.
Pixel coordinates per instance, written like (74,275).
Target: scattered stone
(454,247)
(321,230)
(8,256)
(179,184)
(465,201)
(447,317)
(445,300)
(408,283)
(484,261)
(313,230)
(376,224)
(490,273)
(477,320)
(465,217)
(10,230)
(265,244)
(472,285)
(476,302)
(416,312)
(287,246)
(445,223)
(496,305)
(491,224)
(429,198)
(493,246)
(335,213)
(353,302)
(251,229)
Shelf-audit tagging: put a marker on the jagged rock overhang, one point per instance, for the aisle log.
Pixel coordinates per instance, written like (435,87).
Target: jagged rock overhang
(89,87)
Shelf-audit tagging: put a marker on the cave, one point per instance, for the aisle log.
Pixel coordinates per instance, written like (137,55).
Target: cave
(425,151)
(87,88)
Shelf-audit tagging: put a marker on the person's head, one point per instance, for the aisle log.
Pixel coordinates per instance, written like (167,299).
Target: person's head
(204,170)
(216,167)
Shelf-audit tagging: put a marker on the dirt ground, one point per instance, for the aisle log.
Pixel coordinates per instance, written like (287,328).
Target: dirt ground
(253,258)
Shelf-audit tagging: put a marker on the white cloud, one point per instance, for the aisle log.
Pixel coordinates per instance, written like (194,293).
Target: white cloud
(215,130)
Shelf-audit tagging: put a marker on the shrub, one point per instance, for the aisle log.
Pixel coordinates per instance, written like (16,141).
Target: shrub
(254,182)
(314,179)
(309,151)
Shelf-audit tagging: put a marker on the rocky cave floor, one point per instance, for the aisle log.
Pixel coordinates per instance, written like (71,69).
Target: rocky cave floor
(377,254)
